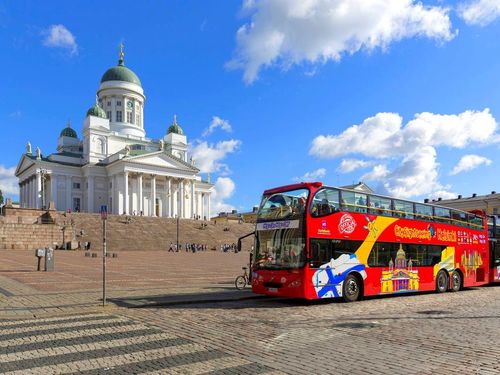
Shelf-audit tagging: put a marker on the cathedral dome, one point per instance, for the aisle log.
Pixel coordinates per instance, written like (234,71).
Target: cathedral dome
(96,111)
(68,132)
(121,72)
(175,127)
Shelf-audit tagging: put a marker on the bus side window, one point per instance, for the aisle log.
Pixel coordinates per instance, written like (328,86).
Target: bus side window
(433,254)
(320,252)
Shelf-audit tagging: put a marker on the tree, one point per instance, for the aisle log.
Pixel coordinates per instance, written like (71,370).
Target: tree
(1,198)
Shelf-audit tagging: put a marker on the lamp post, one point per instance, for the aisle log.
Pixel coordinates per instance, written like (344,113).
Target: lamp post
(43,178)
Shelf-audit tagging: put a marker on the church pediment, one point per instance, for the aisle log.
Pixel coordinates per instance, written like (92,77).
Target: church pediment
(162,160)
(24,164)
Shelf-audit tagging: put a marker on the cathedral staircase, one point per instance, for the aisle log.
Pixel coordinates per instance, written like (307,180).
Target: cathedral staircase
(31,229)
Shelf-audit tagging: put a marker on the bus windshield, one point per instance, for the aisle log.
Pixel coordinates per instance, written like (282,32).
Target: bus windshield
(280,234)
(283,205)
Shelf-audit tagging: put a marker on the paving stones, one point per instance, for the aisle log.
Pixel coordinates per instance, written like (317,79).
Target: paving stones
(98,343)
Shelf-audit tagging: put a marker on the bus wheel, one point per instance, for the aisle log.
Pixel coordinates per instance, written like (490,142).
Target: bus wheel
(456,281)
(441,282)
(351,289)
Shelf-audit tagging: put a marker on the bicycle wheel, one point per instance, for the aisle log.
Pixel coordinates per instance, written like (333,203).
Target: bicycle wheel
(240,283)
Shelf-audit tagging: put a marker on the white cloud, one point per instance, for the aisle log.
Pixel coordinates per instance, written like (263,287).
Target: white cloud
(383,135)
(479,12)
(208,157)
(311,176)
(223,189)
(217,122)
(59,36)
(8,181)
(378,172)
(290,32)
(350,165)
(469,162)
(413,146)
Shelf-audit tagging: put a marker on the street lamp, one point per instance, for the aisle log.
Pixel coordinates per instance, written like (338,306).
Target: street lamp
(43,178)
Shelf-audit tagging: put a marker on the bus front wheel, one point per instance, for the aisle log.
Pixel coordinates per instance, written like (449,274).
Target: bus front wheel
(441,282)
(351,289)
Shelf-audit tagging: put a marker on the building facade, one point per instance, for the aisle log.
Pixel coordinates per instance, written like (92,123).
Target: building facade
(490,203)
(115,164)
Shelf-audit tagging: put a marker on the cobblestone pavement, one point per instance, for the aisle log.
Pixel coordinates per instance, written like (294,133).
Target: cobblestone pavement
(418,334)
(184,325)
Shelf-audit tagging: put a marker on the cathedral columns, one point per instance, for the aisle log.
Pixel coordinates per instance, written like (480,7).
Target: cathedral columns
(202,206)
(153,195)
(38,203)
(68,192)
(53,189)
(169,197)
(192,200)
(181,200)
(140,198)
(208,207)
(125,194)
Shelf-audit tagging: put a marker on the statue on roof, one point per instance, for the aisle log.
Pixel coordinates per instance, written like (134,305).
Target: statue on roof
(28,149)
(127,150)
(162,144)
(38,153)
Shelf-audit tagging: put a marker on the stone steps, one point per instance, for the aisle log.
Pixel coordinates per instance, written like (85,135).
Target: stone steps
(123,233)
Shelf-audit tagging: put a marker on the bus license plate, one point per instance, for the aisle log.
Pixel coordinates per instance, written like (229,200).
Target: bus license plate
(273,290)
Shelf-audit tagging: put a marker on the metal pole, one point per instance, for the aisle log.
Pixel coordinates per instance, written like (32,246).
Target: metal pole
(104,262)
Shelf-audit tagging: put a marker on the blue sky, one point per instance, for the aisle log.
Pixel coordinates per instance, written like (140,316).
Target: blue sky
(403,95)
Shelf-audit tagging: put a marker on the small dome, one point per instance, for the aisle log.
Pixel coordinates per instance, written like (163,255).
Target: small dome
(96,111)
(68,132)
(121,72)
(175,127)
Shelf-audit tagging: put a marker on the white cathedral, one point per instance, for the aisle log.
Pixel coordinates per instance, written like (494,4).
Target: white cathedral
(116,164)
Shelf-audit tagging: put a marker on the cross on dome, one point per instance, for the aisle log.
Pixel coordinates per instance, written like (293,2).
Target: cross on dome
(120,61)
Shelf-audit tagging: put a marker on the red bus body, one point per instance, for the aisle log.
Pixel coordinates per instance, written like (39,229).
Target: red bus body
(464,250)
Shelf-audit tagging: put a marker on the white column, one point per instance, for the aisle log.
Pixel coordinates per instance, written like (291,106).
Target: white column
(181,200)
(38,190)
(175,201)
(90,194)
(28,193)
(53,189)
(153,195)
(140,207)
(208,206)
(125,194)
(202,206)
(169,197)
(192,199)
(68,192)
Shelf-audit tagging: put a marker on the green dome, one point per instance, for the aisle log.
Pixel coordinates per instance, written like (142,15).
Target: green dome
(96,111)
(175,127)
(120,73)
(68,132)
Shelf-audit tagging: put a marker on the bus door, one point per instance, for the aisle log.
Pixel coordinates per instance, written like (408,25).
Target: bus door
(494,259)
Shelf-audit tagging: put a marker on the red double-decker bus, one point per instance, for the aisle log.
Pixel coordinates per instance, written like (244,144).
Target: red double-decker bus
(314,241)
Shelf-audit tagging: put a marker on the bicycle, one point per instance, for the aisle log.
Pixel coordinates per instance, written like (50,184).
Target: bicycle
(242,280)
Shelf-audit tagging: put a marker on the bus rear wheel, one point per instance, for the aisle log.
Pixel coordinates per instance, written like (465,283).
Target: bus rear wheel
(441,282)
(456,281)
(351,288)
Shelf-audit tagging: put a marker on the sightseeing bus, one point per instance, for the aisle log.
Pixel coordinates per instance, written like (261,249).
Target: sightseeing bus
(314,241)
(494,240)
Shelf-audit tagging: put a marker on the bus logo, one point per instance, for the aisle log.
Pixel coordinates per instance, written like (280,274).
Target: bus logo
(347,224)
